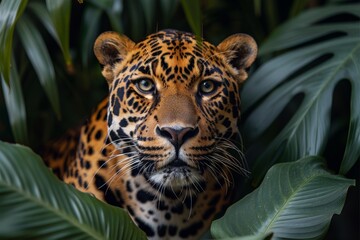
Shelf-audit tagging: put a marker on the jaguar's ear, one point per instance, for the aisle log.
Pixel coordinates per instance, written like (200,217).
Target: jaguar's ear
(240,51)
(111,48)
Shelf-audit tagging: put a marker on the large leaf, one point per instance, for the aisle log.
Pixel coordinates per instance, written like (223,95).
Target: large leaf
(34,204)
(39,57)
(312,72)
(10,10)
(15,105)
(295,201)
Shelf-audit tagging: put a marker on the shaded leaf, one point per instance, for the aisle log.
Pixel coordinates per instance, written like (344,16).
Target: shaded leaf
(104,5)
(149,12)
(60,15)
(10,11)
(15,105)
(168,8)
(295,201)
(298,6)
(90,30)
(253,237)
(39,57)
(309,73)
(42,13)
(136,20)
(257,7)
(114,15)
(113,9)
(271,12)
(34,204)
(193,15)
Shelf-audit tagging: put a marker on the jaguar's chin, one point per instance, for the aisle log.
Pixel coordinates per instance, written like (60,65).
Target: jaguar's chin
(177,177)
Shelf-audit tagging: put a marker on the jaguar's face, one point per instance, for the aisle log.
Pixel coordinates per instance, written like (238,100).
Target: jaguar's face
(174,103)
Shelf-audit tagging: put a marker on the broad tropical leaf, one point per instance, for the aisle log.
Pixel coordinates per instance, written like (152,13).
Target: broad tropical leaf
(34,204)
(309,73)
(295,201)
(10,11)
(39,57)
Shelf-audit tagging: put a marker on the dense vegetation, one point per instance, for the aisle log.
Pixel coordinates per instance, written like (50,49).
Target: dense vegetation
(300,124)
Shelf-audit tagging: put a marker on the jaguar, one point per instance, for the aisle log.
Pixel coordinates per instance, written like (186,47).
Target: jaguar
(164,144)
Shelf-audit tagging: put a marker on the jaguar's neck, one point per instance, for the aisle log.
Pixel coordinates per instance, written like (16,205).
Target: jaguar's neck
(166,213)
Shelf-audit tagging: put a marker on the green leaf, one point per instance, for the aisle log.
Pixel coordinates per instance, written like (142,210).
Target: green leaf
(193,15)
(149,9)
(295,201)
(114,15)
(90,30)
(104,5)
(168,9)
(136,20)
(257,7)
(15,105)
(113,9)
(42,13)
(311,71)
(34,204)
(60,15)
(271,12)
(39,57)
(298,6)
(253,237)
(10,11)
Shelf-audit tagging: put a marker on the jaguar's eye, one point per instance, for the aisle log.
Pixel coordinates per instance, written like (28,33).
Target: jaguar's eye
(145,85)
(207,87)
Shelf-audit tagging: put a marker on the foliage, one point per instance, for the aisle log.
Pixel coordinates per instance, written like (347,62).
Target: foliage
(295,201)
(10,11)
(308,73)
(35,204)
(301,100)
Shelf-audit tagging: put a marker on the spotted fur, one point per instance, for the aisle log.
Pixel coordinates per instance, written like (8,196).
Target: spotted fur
(161,145)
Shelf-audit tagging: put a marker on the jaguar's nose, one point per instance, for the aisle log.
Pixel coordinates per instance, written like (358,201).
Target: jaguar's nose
(178,136)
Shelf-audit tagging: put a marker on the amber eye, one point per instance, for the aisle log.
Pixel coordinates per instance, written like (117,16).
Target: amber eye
(145,85)
(208,87)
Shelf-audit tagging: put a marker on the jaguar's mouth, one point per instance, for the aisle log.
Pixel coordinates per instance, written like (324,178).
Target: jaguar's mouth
(175,175)
(177,163)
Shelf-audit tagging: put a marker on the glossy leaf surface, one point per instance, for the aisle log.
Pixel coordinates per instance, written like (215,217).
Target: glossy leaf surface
(34,204)
(305,75)
(295,201)
(10,11)
(39,57)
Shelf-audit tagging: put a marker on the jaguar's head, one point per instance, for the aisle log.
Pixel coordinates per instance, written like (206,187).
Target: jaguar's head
(174,103)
